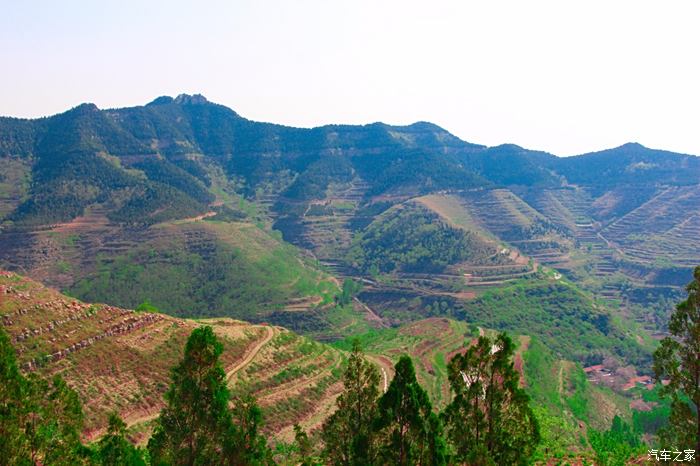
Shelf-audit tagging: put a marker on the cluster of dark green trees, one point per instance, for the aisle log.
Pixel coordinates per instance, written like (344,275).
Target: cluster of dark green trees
(41,422)
(488,422)
(559,314)
(678,360)
(410,238)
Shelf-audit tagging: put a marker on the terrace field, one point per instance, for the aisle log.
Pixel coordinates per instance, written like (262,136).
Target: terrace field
(120,359)
(567,404)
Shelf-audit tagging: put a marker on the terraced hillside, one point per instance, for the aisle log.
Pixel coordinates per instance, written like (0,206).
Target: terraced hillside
(89,193)
(558,387)
(430,342)
(506,215)
(119,359)
(242,270)
(14,183)
(659,230)
(504,265)
(324,226)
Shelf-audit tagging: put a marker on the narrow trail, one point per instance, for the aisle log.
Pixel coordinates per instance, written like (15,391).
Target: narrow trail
(254,352)
(381,364)
(198,218)
(561,378)
(275,394)
(371,315)
(130,420)
(143,416)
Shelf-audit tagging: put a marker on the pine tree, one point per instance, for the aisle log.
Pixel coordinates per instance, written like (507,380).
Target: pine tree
(114,449)
(192,427)
(346,433)
(678,360)
(11,392)
(304,447)
(40,421)
(615,446)
(405,430)
(54,422)
(244,444)
(489,420)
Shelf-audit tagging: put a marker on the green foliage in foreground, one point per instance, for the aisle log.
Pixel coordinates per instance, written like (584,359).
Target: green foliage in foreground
(406,429)
(41,422)
(347,434)
(615,446)
(677,360)
(488,422)
(489,419)
(115,450)
(197,426)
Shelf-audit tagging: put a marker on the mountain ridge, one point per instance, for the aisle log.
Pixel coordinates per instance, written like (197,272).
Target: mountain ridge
(178,184)
(199,99)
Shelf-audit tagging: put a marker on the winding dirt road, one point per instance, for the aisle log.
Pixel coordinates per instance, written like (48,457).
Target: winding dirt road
(145,415)
(249,357)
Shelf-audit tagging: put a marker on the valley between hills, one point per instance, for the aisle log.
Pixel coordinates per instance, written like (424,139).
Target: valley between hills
(292,242)
(119,360)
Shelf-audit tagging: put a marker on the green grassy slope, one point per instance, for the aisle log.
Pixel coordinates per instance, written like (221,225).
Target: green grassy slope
(564,317)
(207,268)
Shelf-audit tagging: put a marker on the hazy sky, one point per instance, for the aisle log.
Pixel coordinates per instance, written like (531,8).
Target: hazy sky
(562,76)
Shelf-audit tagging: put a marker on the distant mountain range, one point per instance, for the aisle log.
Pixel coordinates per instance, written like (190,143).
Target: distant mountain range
(404,236)
(174,201)
(158,157)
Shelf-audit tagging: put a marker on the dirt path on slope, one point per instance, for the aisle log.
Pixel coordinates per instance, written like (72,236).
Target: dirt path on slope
(254,352)
(371,315)
(561,378)
(142,416)
(385,367)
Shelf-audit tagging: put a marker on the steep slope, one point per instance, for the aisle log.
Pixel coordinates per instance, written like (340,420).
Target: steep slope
(211,268)
(119,359)
(82,193)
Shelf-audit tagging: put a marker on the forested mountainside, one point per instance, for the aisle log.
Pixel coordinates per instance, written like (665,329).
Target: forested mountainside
(119,361)
(187,205)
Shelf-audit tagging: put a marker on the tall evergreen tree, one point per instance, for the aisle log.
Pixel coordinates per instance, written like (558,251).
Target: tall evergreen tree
(114,449)
(54,421)
(11,409)
(489,420)
(346,433)
(40,421)
(244,444)
(615,446)
(304,447)
(678,360)
(405,430)
(193,425)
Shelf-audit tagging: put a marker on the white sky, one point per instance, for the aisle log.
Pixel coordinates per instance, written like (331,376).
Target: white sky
(562,76)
